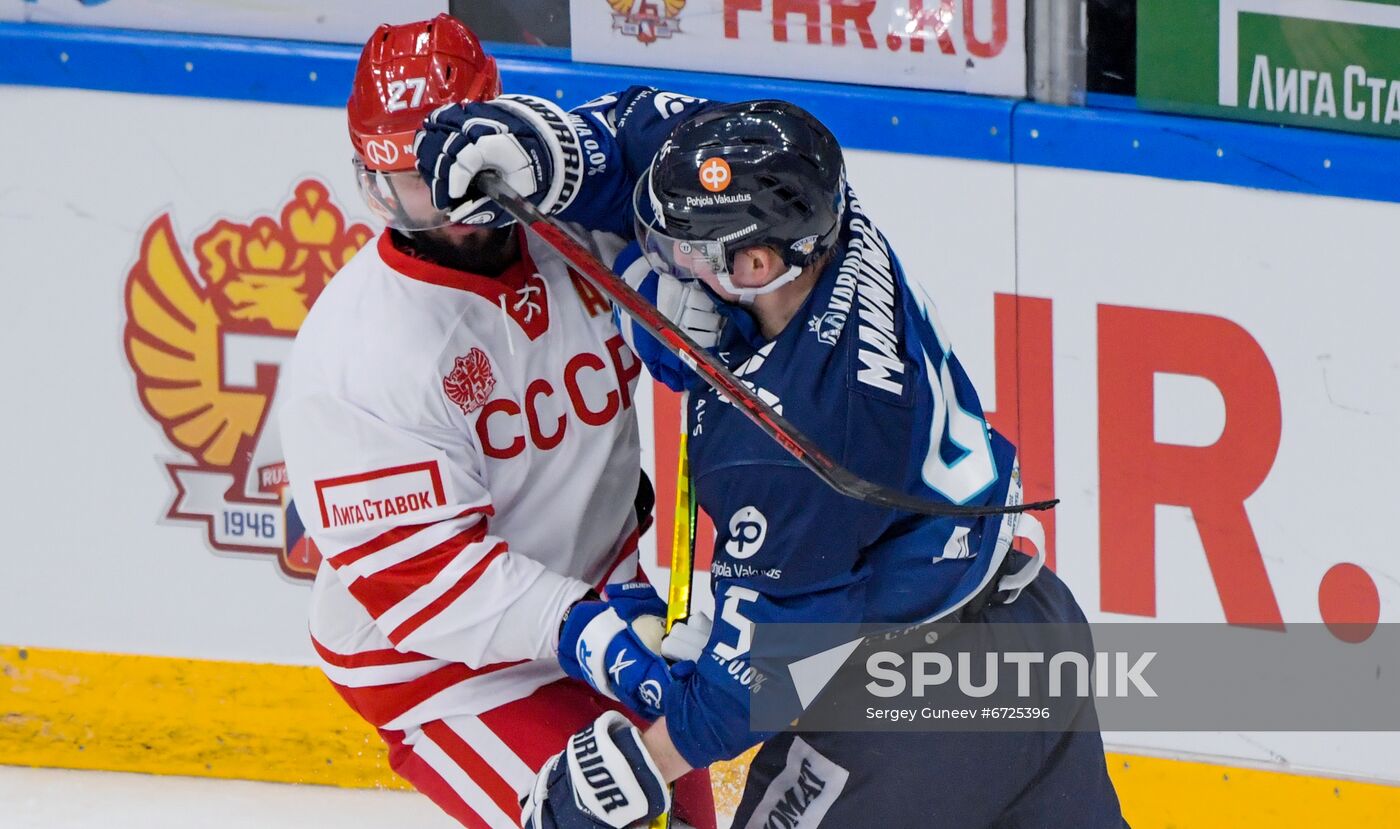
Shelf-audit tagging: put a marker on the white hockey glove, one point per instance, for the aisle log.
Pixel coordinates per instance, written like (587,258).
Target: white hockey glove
(603,778)
(683,302)
(687,639)
(518,136)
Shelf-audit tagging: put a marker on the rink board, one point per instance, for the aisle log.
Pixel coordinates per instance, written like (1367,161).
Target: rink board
(282,723)
(1263,240)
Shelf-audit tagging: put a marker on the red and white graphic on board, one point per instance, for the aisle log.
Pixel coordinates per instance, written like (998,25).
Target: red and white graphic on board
(962,45)
(647,20)
(205,345)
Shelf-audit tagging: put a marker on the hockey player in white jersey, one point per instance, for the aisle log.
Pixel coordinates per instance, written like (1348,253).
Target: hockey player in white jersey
(460,438)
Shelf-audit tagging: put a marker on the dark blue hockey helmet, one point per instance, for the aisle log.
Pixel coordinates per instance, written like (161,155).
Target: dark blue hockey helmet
(758,173)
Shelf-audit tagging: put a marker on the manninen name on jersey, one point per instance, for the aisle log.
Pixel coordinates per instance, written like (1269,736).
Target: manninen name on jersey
(866,279)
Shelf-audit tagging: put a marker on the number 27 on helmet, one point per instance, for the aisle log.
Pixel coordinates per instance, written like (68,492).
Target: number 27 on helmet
(404,73)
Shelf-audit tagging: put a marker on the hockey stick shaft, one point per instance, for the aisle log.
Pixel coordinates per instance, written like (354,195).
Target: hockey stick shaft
(682,538)
(714,372)
(682,555)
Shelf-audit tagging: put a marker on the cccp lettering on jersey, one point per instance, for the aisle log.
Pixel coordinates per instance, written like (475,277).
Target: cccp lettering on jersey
(593,391)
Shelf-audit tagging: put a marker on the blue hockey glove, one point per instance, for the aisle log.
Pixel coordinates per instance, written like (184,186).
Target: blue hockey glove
(517,136)
(614,645)
(603,778)
(684,302)
(634,599)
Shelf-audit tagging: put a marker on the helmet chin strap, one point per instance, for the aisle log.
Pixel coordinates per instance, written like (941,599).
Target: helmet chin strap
(745,296)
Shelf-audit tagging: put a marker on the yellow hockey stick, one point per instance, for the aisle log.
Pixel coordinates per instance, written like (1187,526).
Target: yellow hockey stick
(682,556)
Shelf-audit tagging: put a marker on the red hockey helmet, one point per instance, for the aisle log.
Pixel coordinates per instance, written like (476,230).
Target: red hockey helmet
(404,73)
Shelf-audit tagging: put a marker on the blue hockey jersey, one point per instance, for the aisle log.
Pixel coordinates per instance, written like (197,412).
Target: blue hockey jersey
(865,369)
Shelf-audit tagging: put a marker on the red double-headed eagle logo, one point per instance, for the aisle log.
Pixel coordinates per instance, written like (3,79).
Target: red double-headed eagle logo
(470,382)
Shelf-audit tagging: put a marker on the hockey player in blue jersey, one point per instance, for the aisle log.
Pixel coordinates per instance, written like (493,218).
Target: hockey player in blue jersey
(750,200)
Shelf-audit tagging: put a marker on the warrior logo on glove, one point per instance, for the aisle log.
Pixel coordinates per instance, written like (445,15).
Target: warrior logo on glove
(604,779)
(594,771)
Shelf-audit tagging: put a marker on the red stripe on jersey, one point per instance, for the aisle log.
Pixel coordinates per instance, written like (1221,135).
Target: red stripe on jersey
(425,779)
(380,704)
(366,659)
(437,605)
(474,765)
(536,727)
(425,466)
(381,591)
(395,535)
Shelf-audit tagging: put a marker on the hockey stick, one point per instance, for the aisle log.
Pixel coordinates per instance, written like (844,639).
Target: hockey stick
(683,533)
(713,371)
(682,555)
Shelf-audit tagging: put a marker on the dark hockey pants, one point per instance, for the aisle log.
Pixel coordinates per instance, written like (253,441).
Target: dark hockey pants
(943,780)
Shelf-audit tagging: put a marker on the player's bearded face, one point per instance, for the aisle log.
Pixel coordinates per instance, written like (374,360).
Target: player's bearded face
(486,251)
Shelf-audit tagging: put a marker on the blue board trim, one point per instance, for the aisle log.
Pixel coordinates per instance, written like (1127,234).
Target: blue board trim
(1202,149)
(163,63)
(1109,138)
(862,117)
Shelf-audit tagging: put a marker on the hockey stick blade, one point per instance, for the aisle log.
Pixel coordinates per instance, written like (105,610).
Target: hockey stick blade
(715,373)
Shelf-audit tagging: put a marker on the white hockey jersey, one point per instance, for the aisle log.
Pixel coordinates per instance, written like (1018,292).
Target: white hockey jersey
(464,454)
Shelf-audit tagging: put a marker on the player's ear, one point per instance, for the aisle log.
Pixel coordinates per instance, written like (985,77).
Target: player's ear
(752,261)
(759,263)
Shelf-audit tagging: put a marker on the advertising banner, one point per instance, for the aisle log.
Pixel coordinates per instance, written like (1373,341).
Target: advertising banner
(336,21)
(1212,365)
(1330,64)
(961,45)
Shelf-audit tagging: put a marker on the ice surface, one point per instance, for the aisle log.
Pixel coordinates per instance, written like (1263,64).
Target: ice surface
(59,799)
